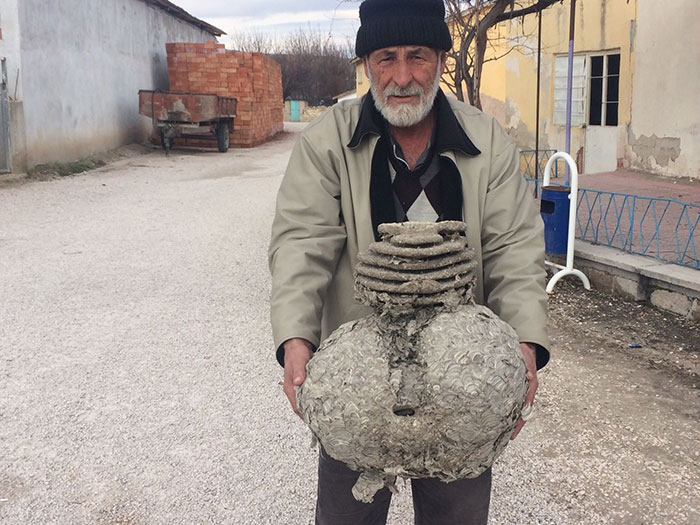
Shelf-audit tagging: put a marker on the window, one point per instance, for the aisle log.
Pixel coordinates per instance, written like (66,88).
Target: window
(596,90)
(604,90)
(578,101)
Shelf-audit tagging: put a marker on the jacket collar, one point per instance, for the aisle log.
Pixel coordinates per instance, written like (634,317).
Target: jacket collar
(450,134)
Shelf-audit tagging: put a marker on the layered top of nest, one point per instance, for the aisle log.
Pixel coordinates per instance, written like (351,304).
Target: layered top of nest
(416,264)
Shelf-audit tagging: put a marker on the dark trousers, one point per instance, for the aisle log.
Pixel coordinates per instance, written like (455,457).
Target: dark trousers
(463,502)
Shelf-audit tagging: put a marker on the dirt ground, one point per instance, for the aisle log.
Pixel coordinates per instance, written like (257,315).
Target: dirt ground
(619,408)
(138,382)
(611,325)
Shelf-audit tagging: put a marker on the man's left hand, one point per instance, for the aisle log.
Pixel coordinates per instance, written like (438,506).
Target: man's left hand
(529,352)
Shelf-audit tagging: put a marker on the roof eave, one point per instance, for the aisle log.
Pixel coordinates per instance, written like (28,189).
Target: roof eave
(180,13)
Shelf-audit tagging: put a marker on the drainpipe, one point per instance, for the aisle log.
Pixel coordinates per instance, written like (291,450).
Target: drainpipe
(569,85)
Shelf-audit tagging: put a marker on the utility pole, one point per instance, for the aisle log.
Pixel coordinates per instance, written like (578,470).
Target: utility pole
(537,116)
(569,85)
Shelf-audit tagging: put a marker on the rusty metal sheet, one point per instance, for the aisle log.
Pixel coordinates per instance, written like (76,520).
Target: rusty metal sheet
(185,107)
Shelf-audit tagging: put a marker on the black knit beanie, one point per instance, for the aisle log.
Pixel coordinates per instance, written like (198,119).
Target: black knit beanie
(386,23)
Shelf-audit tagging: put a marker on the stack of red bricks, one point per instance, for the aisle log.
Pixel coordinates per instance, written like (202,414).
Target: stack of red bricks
(252,78)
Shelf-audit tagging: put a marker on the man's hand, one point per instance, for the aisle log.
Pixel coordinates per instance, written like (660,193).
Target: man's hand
(297,352)
(529,352)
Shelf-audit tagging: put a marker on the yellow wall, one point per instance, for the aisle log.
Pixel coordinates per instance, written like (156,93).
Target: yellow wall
(658,125)
(493,87)
(361,80)
(601,25)
(493,78)
(509,85)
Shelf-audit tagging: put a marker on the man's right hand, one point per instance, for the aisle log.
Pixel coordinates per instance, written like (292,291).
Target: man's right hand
(297,352)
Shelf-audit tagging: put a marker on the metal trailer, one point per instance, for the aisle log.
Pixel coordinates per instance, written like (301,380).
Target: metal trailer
(189,115)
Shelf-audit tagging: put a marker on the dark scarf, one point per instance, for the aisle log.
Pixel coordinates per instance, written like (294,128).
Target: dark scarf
(449,135)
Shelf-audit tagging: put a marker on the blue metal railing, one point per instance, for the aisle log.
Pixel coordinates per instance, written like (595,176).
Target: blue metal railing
(666,229)
(527,163)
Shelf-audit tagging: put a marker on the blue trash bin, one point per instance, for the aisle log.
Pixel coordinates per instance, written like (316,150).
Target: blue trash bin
(554,208)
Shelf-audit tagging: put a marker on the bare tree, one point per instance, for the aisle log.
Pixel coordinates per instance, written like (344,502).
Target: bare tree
(314,67)
(256,41)
(471,22)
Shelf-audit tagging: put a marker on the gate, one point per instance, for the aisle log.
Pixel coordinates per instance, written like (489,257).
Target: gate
(5,166)
(295,107)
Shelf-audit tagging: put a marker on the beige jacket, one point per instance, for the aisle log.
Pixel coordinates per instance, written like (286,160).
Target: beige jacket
(323,219)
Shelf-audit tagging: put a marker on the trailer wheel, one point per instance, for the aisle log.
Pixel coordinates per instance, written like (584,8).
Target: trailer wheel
(165,142)
(222,137)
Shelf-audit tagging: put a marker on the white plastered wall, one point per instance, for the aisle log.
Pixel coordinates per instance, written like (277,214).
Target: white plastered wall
(10,50)
(9,44)
(83,62)
(664,134)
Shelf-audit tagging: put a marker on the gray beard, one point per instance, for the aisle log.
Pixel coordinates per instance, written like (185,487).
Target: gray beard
(405,115)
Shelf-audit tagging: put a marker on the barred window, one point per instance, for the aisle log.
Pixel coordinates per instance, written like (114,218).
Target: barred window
(604,90)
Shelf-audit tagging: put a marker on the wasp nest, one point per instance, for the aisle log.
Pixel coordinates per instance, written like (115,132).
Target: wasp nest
(431,384)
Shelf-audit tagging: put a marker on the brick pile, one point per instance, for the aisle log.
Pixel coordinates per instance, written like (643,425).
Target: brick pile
(253,78)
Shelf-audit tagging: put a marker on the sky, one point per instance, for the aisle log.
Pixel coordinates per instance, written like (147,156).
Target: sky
(277,17)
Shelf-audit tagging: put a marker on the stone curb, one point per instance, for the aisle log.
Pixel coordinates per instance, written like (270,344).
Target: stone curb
(639,278)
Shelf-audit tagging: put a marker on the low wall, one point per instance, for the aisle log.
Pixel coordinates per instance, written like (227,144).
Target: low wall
(667,286)
(253,78)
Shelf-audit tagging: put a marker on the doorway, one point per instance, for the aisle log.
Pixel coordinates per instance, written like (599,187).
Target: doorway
(295,107)
(5,164)
(603,107)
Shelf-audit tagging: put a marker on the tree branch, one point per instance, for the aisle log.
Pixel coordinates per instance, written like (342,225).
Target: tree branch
(534,8)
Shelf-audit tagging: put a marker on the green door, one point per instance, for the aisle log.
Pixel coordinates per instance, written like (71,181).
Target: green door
(295,113)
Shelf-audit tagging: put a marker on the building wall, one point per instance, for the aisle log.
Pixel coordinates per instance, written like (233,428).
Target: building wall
(493,85)
(83,63)
(9,43)
(664,134)
(10,49)
(303,106)
(361,79)
(253,78)
(658,128)
(601,25)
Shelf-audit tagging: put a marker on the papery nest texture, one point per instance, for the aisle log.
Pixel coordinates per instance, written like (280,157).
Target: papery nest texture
(431,384)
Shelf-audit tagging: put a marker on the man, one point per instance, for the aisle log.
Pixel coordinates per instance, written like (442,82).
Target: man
(402,152)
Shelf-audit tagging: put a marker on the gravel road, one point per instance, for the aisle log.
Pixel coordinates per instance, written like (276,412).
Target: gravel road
(138,384)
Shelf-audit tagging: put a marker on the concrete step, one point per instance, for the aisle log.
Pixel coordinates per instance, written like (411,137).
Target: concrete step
(639,278)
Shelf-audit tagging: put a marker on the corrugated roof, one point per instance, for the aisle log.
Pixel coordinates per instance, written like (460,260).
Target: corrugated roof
(180,13)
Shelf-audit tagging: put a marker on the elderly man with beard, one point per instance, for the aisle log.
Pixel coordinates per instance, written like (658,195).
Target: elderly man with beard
(402,152)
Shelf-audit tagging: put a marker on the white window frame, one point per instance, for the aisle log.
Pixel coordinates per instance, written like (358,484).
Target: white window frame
(578,118)
(581,118)
(604,95)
